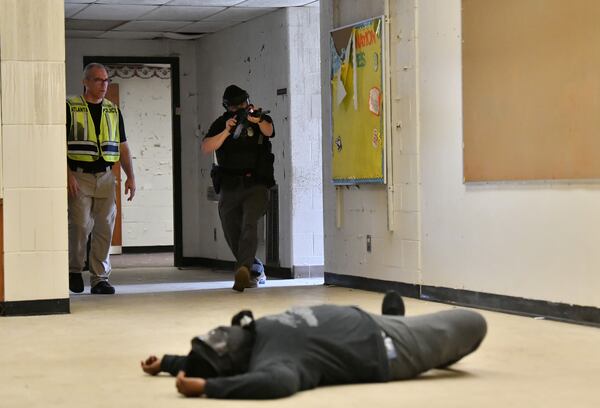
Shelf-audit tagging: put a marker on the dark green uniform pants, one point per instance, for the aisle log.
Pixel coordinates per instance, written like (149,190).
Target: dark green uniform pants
(240,208)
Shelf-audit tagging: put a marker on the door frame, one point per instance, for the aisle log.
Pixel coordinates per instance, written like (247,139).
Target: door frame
(116,244)
(173,63)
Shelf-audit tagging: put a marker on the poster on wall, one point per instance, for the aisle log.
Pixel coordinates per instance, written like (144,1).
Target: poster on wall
(357,78)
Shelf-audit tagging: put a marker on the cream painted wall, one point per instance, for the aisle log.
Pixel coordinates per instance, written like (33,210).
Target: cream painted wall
(536,240)
(33,124)
(146,108)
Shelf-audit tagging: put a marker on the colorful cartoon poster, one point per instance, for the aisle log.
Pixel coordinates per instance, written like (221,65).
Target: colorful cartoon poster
(357,75)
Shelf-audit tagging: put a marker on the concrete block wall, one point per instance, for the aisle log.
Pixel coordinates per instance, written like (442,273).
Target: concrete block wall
(33,163)
(281,51)
(253,55)
(404,133)
(394,256)
(306,142)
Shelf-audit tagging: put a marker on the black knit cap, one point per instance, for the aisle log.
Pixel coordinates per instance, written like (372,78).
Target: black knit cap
(234,95)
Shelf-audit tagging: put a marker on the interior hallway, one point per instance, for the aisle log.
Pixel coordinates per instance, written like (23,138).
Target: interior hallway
(90,358)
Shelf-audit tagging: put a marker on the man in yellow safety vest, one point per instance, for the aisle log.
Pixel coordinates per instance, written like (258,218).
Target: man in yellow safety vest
(95,141)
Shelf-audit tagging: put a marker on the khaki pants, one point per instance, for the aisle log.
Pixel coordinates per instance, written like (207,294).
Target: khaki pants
(93,210)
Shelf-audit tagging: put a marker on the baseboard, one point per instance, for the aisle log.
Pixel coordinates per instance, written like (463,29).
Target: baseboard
(373,285)
(147,249)
(35,307)
(270,270)
(586,315)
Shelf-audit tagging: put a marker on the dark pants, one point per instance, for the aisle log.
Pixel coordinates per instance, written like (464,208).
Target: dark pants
(240,208)
(431,341)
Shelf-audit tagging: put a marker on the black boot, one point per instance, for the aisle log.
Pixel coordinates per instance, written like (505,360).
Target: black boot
(75,282)
(392,304)
(103,288)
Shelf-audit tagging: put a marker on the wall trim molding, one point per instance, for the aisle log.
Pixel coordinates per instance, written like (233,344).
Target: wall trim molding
(35,307)
(270,270)
(563,312)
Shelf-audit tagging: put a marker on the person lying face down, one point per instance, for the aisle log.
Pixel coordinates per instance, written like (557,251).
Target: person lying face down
(305,347)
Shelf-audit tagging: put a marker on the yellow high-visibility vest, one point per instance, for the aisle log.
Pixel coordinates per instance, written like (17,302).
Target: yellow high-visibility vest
(82,142)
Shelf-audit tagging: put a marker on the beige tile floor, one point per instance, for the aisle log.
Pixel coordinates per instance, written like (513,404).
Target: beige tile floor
(90,358)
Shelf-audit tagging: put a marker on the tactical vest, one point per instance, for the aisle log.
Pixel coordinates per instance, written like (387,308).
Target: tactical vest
(248,154)
(83,142)
(242,153)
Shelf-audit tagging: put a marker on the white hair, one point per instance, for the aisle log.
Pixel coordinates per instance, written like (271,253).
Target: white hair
(91,66)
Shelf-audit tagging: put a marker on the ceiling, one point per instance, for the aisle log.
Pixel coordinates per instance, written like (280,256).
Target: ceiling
(175,19)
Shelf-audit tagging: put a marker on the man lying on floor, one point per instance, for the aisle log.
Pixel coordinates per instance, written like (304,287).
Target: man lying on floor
(306,347)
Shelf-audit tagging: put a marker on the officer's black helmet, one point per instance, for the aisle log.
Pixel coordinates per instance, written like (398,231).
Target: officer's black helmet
(234,95)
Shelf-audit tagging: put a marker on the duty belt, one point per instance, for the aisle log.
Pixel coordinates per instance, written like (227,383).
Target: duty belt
(92,171)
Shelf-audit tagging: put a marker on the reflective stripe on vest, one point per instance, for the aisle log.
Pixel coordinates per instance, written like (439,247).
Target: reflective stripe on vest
(83,140)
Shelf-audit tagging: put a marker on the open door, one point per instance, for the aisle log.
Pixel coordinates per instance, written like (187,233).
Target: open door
(116,246)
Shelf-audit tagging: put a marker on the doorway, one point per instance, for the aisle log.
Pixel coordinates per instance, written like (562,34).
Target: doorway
(147,90)
(116,245)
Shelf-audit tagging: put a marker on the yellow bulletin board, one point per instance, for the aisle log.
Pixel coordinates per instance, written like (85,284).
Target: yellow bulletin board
(357,109)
